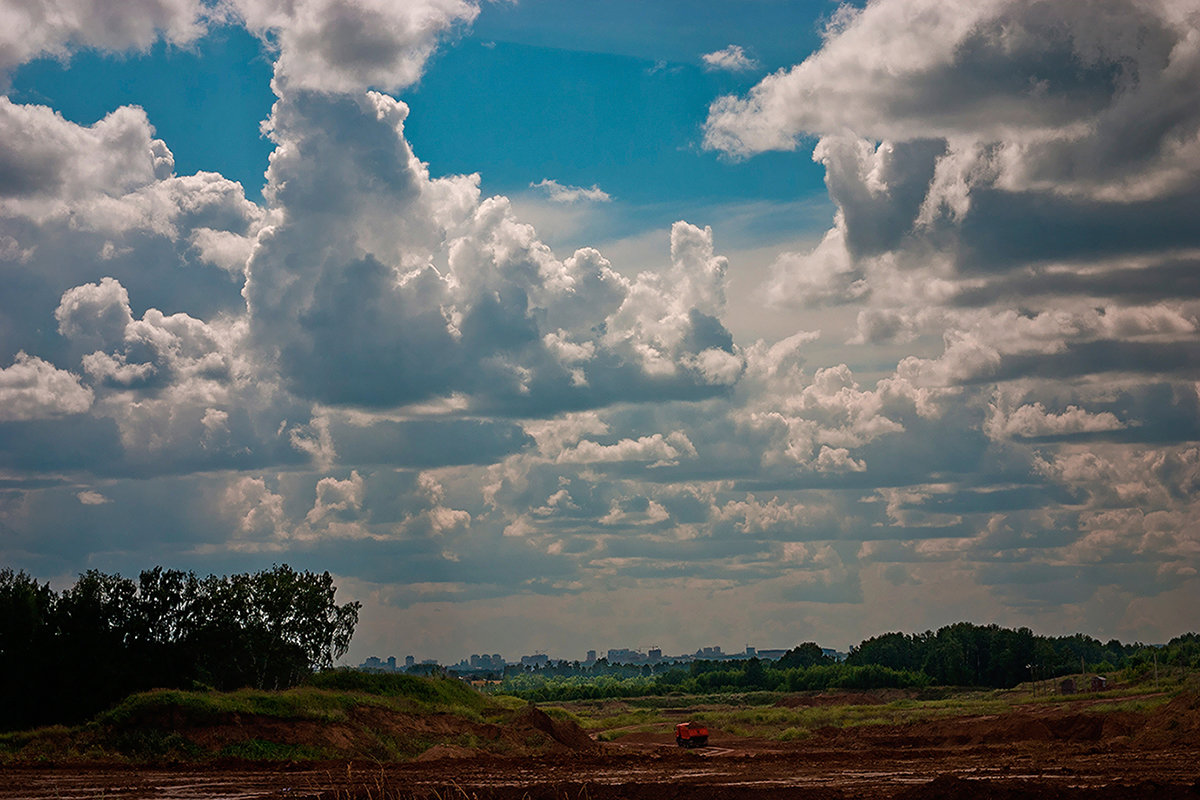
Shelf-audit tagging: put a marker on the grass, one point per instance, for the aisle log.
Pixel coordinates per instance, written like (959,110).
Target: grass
(429,695)
(198,708)
(1135,705)
(618,719)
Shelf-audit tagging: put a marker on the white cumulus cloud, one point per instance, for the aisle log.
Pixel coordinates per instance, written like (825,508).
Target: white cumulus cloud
(560,193)
(31,388)
(733,59)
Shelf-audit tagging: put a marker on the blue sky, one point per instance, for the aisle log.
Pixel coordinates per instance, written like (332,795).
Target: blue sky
(528,319)
(541,76)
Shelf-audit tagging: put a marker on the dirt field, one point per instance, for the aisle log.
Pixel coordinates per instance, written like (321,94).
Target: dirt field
(1062,750)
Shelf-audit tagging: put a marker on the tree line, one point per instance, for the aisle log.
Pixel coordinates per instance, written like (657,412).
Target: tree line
(66,655)
(962,654)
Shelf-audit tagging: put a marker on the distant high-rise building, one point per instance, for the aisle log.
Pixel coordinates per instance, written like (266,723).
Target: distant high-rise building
(654,654)
(591,656)
(391,663)
(409,661)
(493,662)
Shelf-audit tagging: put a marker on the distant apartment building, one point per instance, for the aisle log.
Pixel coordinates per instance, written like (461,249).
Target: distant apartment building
(536,660)
(623,655)
(487,662)
(591,657)
(376,664)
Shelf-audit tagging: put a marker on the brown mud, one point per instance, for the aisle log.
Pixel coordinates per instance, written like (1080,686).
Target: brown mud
(1062,751)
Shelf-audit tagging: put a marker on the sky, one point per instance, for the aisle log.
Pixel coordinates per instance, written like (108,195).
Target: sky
(547,327)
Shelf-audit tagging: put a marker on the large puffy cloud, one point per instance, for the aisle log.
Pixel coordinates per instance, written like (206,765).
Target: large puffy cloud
(1078,120)
(985,155)
(29,30)
(378,285)
(339,45)
(81,203)
(96,223)
(1059,88)
(181,392)
(32,389)
(46,161)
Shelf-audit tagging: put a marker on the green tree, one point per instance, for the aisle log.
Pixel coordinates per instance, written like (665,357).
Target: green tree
(803,655)
(26,647)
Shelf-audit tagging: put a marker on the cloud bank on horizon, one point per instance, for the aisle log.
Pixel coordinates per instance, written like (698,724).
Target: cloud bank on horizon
(387,374)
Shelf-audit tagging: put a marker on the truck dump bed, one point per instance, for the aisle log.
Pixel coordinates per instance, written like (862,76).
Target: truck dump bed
(691,734)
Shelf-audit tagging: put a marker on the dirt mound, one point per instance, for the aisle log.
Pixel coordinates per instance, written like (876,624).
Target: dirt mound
(564,732)
(1178,722)
(365,731)
(441,751)
(996,729)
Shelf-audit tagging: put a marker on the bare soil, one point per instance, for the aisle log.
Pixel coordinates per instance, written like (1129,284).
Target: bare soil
(1064,751)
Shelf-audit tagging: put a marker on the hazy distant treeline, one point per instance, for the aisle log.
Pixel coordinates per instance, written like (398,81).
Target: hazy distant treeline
(962,654)
(65,656)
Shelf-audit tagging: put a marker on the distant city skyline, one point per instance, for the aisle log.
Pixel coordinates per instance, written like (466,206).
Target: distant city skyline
(616,655)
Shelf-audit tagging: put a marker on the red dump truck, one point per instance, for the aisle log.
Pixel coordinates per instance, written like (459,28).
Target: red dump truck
(691,734)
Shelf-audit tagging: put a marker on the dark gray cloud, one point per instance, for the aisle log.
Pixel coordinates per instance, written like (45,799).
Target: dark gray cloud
(1005,230)
(1170,279)
(1098,357)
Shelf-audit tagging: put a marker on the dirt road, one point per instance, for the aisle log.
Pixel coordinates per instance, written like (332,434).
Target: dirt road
(661,772)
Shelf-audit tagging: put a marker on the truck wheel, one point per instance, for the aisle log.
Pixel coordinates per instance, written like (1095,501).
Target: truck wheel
(679,741)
